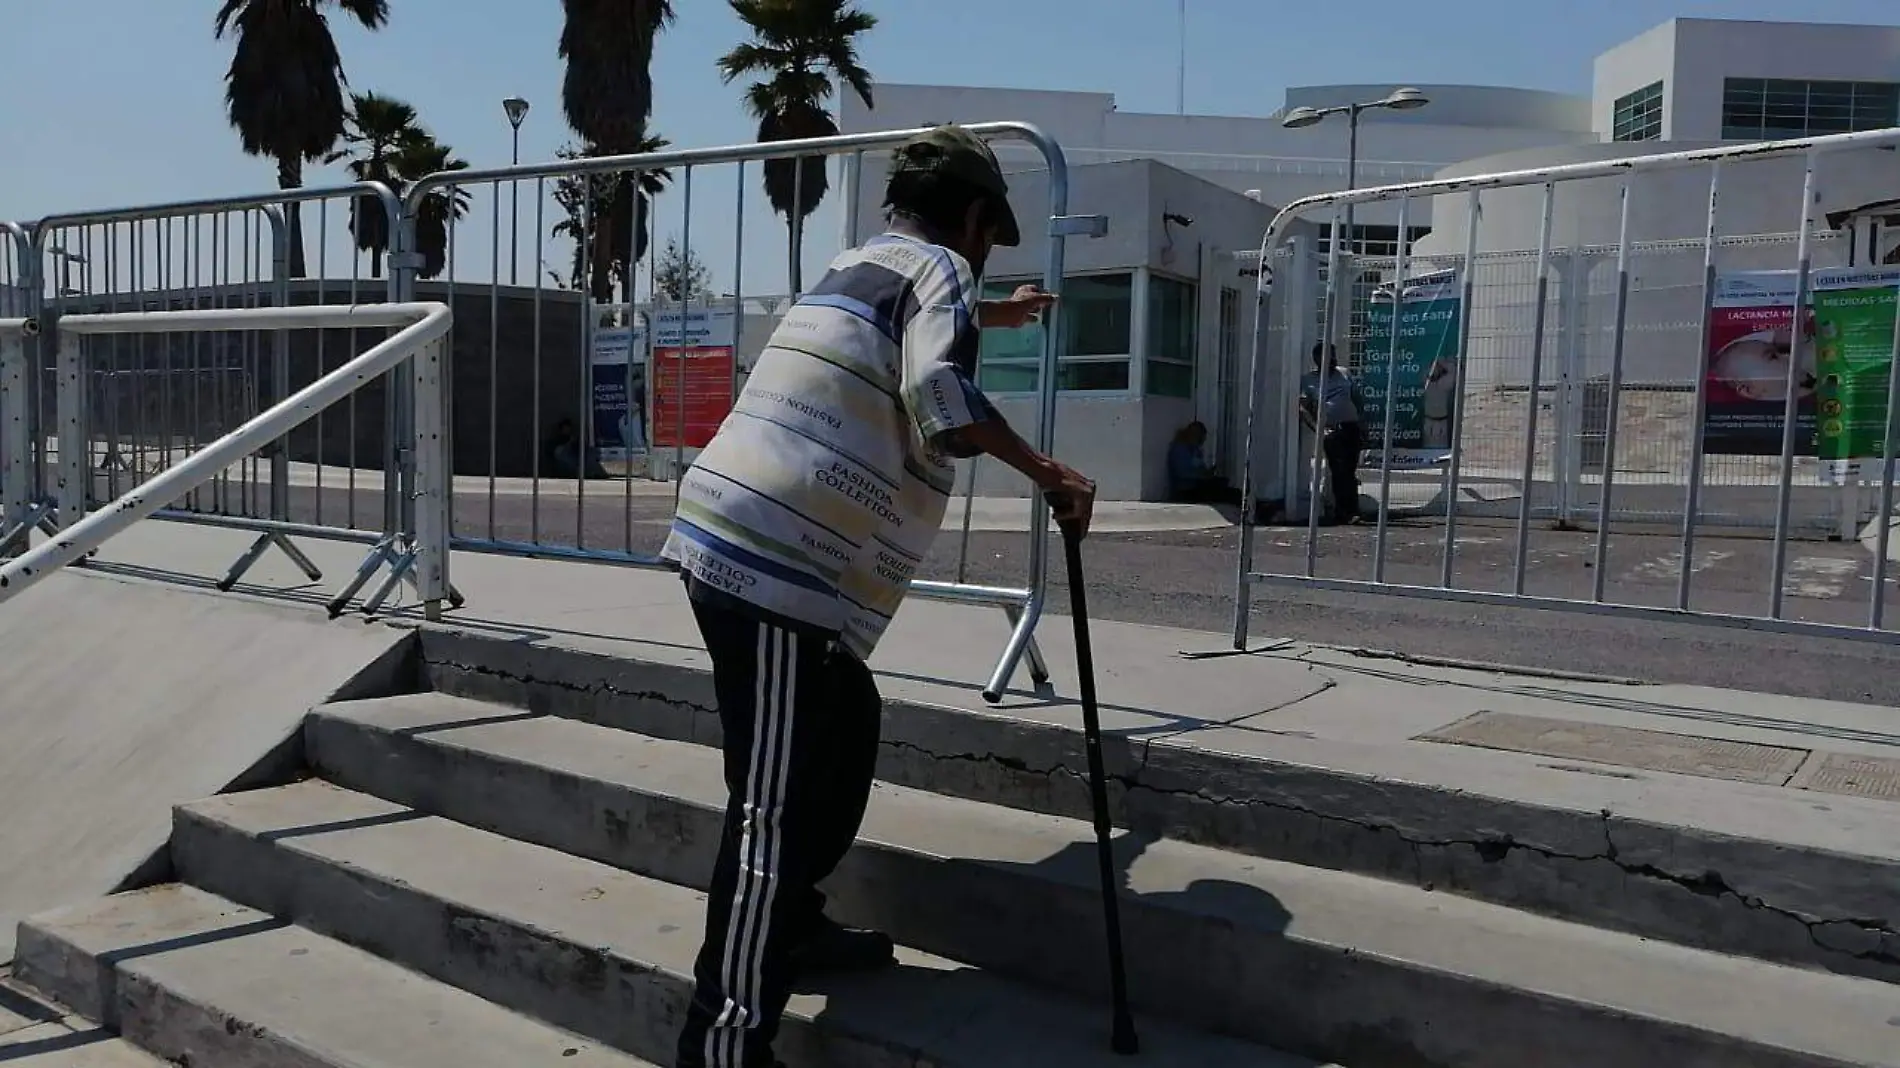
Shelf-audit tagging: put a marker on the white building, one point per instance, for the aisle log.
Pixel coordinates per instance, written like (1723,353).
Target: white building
(1687,83)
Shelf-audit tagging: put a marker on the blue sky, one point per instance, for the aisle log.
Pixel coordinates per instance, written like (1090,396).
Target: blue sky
(126,103)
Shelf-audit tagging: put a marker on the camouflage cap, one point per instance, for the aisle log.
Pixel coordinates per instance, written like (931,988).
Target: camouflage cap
(954,152)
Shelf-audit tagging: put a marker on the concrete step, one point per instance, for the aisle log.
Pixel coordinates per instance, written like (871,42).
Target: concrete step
(197,980)
(1386,973)
(58,1046)
(37,1034)
(608,954)
(1751,888)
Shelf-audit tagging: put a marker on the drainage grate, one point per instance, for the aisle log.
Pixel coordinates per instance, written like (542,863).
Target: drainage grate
(1852,776)
(1628,747)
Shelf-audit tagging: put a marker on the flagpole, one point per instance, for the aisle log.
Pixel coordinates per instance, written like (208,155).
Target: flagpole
(1180,85)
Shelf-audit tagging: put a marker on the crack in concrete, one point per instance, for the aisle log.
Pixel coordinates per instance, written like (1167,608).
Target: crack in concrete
(1491,849)
(1708,883)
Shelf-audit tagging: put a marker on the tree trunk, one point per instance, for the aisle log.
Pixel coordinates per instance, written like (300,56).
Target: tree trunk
(795,223)
(375,263)
(290,176)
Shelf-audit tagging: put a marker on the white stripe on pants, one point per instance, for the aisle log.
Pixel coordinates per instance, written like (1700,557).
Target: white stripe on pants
(749,924)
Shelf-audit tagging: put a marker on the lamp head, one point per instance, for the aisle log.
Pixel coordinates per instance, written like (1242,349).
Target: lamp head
(516,109)
(1406,99)
(1300,117)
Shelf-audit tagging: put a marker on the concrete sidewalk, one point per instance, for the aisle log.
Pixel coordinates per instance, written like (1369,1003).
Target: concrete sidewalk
(1821,774)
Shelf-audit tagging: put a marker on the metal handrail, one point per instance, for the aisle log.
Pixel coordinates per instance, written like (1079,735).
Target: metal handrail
(421,326)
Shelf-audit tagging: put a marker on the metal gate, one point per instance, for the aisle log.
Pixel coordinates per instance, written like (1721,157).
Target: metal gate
(1583,399)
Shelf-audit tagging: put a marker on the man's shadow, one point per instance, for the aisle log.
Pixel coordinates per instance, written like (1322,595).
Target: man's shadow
(1190,942)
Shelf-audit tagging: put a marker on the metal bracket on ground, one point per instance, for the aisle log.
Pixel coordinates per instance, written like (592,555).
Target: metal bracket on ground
(398,553)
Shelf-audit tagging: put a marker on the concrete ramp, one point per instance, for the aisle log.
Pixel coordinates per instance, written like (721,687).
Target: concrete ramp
(120,699)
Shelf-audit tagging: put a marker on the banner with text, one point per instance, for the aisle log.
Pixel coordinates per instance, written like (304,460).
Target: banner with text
(619,401)
(1841,383)
(693,366)
(1422,371)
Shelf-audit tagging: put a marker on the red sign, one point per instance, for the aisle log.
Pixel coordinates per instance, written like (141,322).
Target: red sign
(696,384)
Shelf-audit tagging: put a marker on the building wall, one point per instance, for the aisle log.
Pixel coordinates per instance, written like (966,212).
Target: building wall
(1244,153)
(1709,51)
(1694,57)
(1635,64)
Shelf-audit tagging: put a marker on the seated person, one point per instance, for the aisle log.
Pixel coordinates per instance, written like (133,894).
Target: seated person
(1190,479)
(564,453)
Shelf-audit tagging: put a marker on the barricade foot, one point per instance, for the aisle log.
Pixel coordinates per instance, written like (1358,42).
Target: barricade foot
(256,552)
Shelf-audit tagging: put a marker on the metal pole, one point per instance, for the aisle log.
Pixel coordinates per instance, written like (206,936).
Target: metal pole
(1536,386)
(1616,393)
(1883,539)
(1391,386)
(1323,371)
(1243,580)
(514,216)
(1469,294)
(1180,86)
(1692,502)
(1791,409)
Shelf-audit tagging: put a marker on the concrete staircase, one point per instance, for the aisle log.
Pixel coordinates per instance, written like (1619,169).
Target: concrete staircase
(505,869)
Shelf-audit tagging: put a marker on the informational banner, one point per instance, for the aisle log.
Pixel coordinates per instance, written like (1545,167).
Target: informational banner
(619,377)
(1840,383)
(1751,316)
(1424,377)
(692,368)
(1853,357)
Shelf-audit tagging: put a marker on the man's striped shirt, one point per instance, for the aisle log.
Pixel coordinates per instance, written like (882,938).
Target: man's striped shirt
(820,495)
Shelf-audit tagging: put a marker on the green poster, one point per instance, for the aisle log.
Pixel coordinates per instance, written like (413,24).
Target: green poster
(1421,371)
(1853,361)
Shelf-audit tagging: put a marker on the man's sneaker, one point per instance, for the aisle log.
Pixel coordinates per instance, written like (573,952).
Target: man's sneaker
(833,948)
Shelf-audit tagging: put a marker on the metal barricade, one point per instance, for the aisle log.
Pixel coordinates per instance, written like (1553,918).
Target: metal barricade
(23,506)
(1548,352)
(416,344)
(128,407)
(574,394)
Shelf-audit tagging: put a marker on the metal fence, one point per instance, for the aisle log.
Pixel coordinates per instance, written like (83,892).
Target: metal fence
(570,408)
(21,503)
(577,397)
(116,410)
(415,350)
(1656,433)
(1584,382)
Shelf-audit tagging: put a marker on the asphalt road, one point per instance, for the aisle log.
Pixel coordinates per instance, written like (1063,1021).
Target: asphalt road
(1186,579)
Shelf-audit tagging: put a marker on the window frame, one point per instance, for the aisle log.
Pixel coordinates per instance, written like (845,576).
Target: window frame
(1192,292)
(993,287)
(1778,109)
(1638,116)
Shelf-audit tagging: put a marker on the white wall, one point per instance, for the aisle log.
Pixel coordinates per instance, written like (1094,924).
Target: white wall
(1709,51)
(1694,57)
(1255,152)
(1637,63)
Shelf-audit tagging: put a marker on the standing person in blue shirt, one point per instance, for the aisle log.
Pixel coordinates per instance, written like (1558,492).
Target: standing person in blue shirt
(1330,392)
(799,529)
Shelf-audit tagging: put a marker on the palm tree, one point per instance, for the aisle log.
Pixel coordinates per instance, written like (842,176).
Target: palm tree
(800,46)
(415,160)
(613,215)
(377,130)
(284,91)
(607,90)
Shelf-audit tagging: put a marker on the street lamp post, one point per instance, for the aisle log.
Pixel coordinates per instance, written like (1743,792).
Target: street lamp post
(517,111)
(1406,99)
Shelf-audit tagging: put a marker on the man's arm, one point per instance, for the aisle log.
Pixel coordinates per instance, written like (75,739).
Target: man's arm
(940,351)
